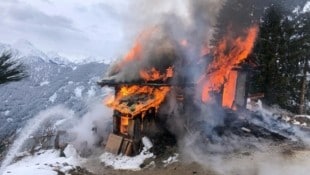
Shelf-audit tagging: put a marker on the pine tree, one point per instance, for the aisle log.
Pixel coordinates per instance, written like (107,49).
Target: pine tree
(266,52)
(282,51)
(302,53)
(10,70)
(237,15)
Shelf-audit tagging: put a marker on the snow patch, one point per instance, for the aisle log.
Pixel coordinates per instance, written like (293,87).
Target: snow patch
(53,98)
(78,91)
(70,151)
(121,162)
(147,143)
(91,92)
(171,159)
(9,120)
(302,116)
(306,7)
(44,83)
(6,113)
(45,162)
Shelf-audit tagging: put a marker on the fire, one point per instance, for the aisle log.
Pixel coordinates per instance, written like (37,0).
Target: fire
(136,51)
(124,125)
(153,74)
(133,100)
(229,53)
(229,92)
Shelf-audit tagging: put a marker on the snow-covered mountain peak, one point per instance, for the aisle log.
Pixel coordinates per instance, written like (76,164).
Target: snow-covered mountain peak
(27,49)
(90,59)
(29,53)
(55,57)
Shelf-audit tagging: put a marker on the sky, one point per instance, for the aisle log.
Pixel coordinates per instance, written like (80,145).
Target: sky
(72,28)
(76,29)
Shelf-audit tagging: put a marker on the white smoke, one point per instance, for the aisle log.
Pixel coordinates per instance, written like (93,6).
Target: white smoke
(92,129)
(33,125)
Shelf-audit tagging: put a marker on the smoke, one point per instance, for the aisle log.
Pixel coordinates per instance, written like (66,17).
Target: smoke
(165,25)
(92,129)
(86,133)
(175,35)
(33,125)
(236,153)
(268,160)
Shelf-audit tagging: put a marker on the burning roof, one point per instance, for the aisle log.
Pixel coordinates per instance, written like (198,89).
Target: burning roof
(132,100)
(159,61)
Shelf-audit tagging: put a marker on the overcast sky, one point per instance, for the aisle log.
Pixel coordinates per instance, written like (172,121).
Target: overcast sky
(72,28)
(81,28)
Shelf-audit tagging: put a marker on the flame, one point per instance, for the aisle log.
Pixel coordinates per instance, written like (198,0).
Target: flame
(229,90)
(133,100)
(136,51)
(228,54)
(153,74)
(124,125)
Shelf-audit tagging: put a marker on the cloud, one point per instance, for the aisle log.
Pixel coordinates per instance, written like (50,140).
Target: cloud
(34,16)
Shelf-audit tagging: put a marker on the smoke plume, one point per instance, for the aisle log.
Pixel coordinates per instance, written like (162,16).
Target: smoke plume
(165,25)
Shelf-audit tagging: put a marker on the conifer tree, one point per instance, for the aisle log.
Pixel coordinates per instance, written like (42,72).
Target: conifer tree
(10,70)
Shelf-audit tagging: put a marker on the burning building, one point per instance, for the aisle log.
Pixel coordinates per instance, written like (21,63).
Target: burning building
(155,69)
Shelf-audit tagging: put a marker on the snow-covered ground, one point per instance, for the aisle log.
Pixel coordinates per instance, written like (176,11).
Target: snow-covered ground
(45,162)
(121,162)
(301,120)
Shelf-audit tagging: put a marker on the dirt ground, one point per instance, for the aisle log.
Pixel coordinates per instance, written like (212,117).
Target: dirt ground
(177,168)
(284,160)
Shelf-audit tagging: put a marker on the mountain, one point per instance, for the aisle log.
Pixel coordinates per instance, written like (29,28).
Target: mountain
(52,80)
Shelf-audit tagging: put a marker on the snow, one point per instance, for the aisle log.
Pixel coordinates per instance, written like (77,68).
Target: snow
(9,120)
(53,98)
(171,159)
(91,92)
(55,57)
(254,106)
(27,49)
(6,113)
(70,151)
(45,162)
(78,91)
(44,83)
(302,116)
(147,143)
(306,7)
(296,10)
(121,162)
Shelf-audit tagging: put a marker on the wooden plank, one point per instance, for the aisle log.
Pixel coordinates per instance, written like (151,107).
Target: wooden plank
(114,144)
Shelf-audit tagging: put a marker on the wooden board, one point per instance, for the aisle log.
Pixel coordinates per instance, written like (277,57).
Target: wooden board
(114,144)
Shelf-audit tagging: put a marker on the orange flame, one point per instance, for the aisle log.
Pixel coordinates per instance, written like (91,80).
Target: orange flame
(136,51)
(153,74)
(228,54)
(124,125)
(145,97)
